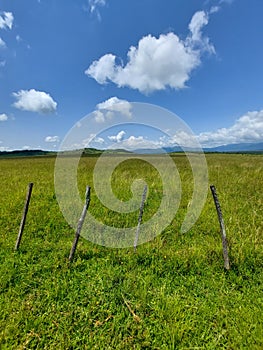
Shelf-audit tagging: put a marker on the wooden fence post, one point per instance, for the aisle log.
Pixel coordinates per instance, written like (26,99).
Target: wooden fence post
(140,218)
(222,227)
(23,221)
(80,223)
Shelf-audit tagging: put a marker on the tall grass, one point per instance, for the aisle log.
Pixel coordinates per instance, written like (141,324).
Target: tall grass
(172,294)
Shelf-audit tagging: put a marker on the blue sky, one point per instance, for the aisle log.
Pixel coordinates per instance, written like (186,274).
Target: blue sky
(61,60)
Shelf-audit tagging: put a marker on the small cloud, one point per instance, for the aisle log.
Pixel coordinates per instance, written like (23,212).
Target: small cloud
(2,43)
(94,7)
(140,142)
(214,9)
(6,20)
(117,138)
(105,110)
(18,38)
(3,117)
(34,101)
(2,63)
(52,139)
(99,140)
(114,104)
(26,147)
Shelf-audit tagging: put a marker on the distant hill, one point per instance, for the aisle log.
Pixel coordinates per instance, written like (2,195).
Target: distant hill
(237,147)
(26,153)
(39,153)
(232,148)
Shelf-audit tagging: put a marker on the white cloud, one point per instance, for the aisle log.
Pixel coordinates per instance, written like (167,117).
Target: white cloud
(89,142)
(247,129)
(114,104)
(117,138)
(94,4)
(34,101)
(94,7)
(103,69)
(6,20)
(2,63)
(107,108)
(2,43)
(52,139)
(99,140)
(99,117)
(198,21)
(3,117)
(156,63)
(214,9)
(139,142)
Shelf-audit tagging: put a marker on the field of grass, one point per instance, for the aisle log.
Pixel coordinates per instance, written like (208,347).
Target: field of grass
(172,294)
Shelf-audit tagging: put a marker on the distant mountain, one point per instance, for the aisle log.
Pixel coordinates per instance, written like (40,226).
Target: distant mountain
(237,147)
(231,148)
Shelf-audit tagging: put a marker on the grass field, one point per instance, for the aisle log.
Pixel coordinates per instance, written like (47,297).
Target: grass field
(172,294)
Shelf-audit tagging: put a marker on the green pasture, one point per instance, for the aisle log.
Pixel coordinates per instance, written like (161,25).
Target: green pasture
(173,293)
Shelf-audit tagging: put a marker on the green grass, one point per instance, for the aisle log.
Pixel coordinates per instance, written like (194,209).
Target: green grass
(172,294)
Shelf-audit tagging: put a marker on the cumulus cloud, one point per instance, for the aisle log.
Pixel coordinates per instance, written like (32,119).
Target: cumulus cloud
(114,104)
(117,138)
(6,20)
(140,142)
(157,63)
(34,101)
(247,129)
(106,109)
(3,117)
(52,139)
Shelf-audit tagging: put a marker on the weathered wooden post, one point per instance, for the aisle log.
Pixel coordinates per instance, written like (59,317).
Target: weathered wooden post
(222,227)
(140,218)
(23,220)
(80,223)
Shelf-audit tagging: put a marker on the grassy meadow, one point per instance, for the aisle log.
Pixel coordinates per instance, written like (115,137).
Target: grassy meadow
(172,294)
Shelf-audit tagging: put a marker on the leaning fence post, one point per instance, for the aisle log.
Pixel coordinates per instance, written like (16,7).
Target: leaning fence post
(23,220)
(222,227)
(80,223)
(140,218)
